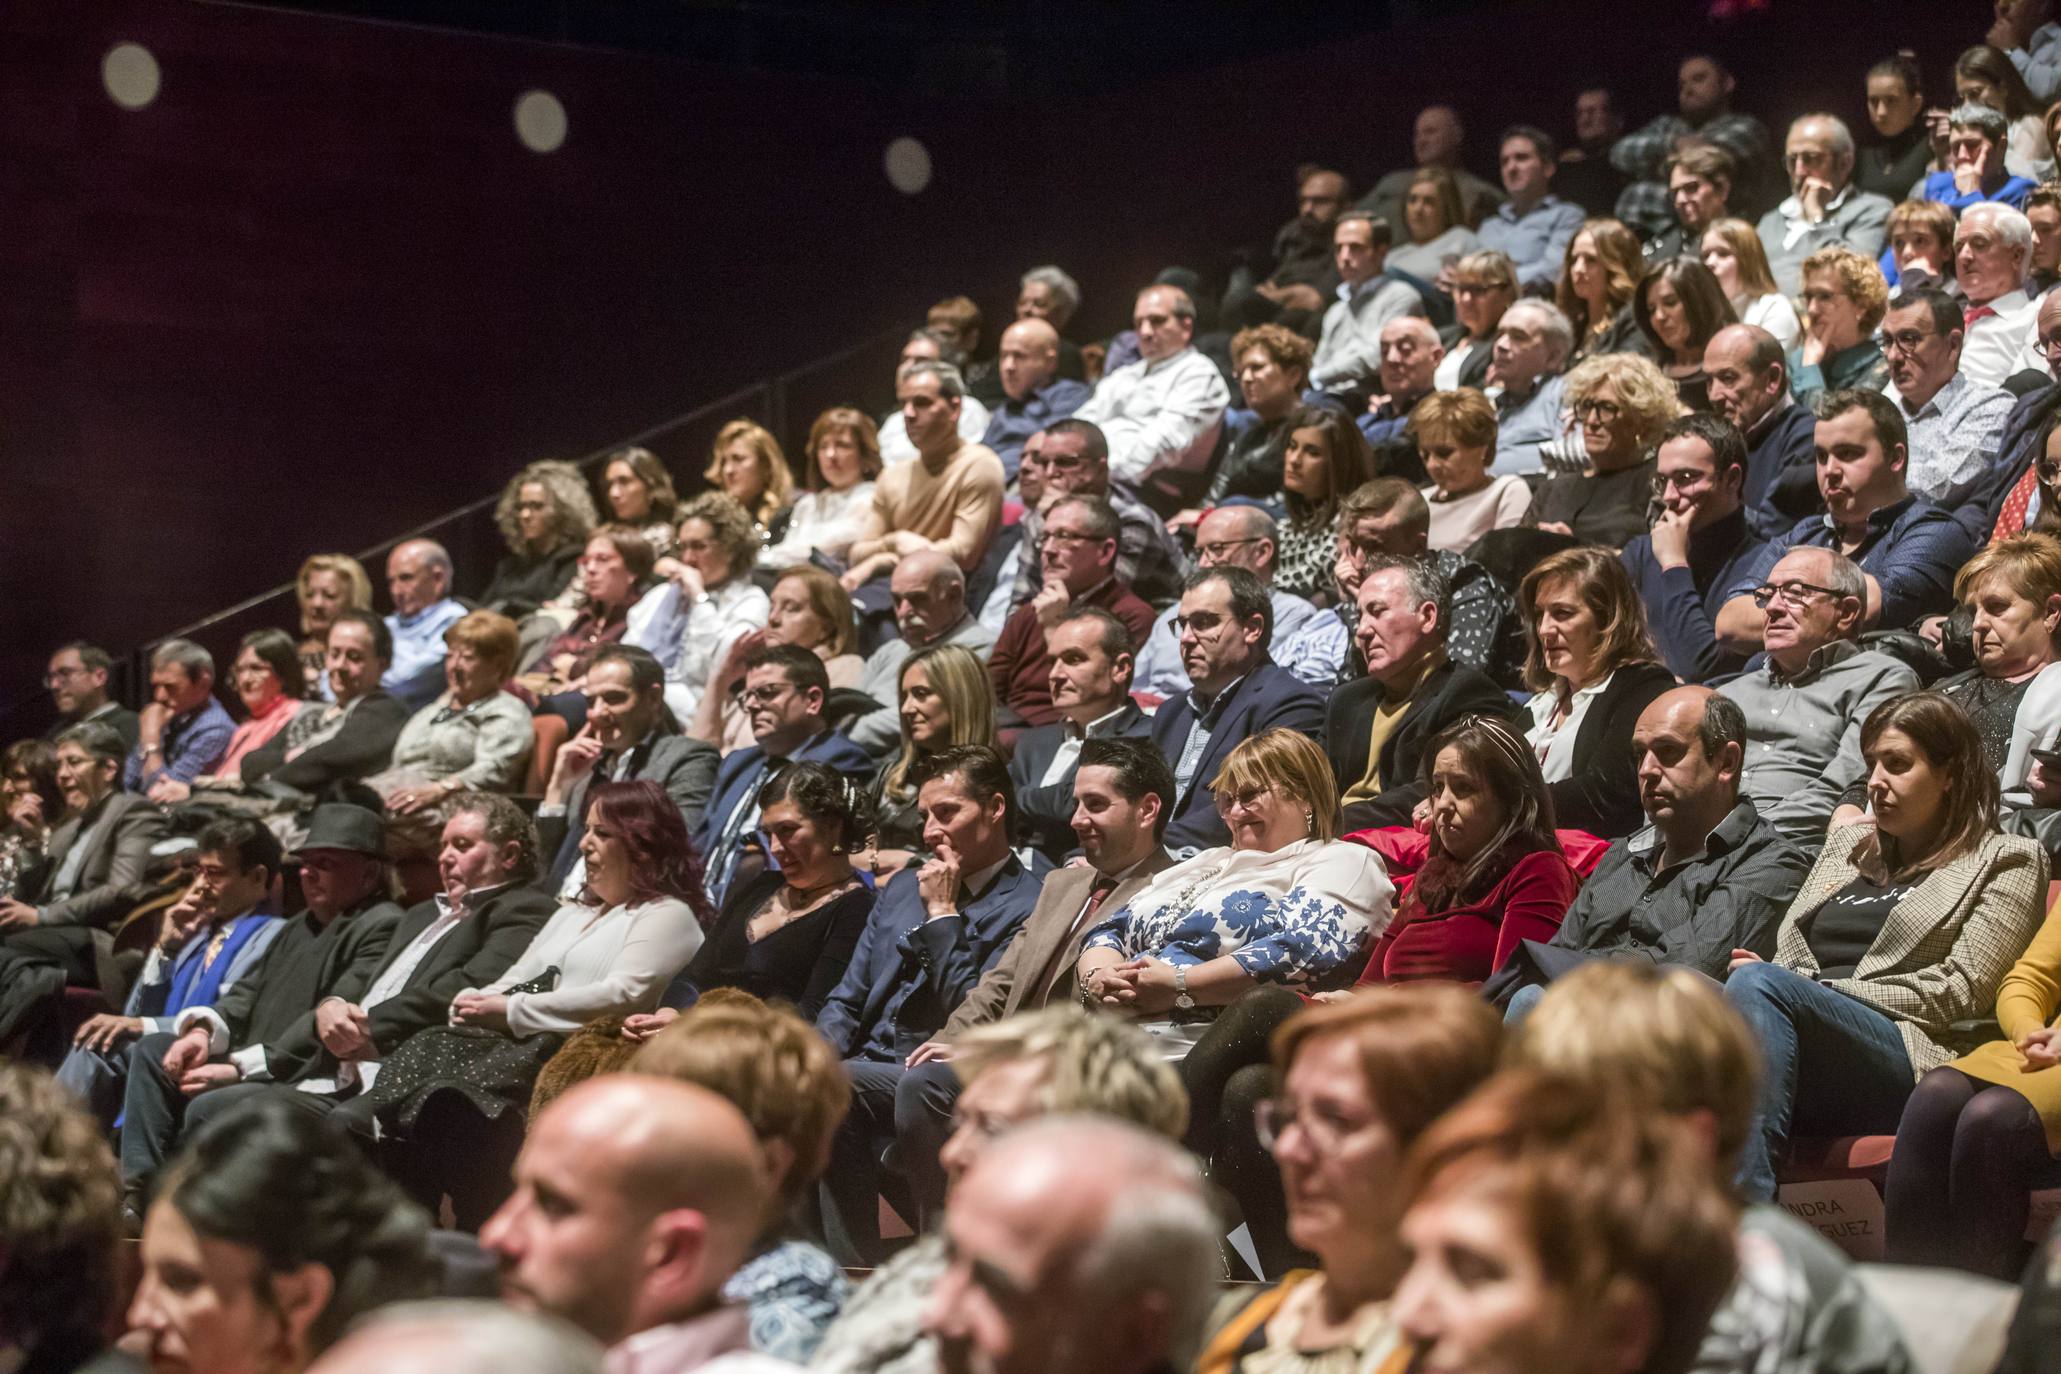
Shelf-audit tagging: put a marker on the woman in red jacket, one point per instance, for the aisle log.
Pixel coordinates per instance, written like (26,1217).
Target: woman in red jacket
(1494,875)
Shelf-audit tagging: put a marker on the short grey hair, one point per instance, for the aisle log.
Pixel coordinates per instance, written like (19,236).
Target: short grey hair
(951,383)
(195,661)
(1065,290)
(437,556)
(1842,137)
(1425,330)
(97,738)
(1183,307)
(1426,583)
(1552,322)
(947,351)
(478,1336)
(2011,225)
(1990,123)
(1843,576)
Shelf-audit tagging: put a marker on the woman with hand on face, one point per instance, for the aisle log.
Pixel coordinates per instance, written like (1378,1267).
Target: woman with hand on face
(1597,283)
(1904,929)
(809,608)
(1326,458)
(844,458)
(1455,433)
(945,698)
(31,803)
(268,1236)
(450,1100)
(1594,668)
(1350,1089)
(747,466)
(327,583)
(639,492)
(1844,298)
(268,679)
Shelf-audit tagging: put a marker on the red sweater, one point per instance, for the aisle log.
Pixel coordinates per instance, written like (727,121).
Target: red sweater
(1468,942)
(1021,665)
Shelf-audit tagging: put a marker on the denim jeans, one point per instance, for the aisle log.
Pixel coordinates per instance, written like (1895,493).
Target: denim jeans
(1833,1065)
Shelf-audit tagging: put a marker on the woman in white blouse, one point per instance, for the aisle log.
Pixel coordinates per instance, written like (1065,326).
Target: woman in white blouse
(1732,251)
(719,604)
(843,460)
(450,1102)
(1456,437)
(1594,667)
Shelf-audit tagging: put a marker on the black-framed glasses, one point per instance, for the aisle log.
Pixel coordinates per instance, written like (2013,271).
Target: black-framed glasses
(1065,537)
(1905,341)
(1202,622)
(1680,481)
(1795,593)
(1602,412)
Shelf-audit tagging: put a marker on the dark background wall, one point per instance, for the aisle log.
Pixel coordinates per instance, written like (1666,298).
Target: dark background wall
(318,293)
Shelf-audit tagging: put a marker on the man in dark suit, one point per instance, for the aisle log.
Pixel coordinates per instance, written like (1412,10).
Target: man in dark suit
(629,736)
(932,935)
(345,932)
(785,687)
(1379,726)
(78,679)
(1091,686)
(94,874)
(354,736)
(1226,621)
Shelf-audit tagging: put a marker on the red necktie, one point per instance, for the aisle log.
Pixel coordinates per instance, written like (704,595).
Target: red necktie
(2016,503)
(1974,313)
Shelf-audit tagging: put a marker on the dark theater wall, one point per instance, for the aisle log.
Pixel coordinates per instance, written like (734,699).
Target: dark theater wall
(318,292)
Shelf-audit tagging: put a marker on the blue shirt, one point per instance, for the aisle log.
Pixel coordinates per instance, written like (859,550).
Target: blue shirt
(1535,240)
(1939,187)
(1913,549)
(416,672)
(1682,603)
(1012,422)
(192,743)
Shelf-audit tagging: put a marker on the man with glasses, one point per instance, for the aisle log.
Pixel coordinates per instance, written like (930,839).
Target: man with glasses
(1349,350)
(1908,550)
(2003,506)
(1075,462)
(1824,207)
(1533,227)
(1806,701)
(1992,256)
(1700,177)
(1225,625)
(1700,552)
(1309,643)
(77,678)
(784,690)
(1953,422)
(1076,551)
(1749,386)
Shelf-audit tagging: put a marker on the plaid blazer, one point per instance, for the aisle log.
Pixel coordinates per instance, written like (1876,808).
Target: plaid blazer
(1944,950)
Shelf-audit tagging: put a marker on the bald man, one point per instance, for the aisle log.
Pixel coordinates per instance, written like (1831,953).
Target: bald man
(418,578)
(635,1200)
(460,1338)
(1075,1243)
(1709,876)
(1410,355)
(929,596)
(1437,139)
(1033,392)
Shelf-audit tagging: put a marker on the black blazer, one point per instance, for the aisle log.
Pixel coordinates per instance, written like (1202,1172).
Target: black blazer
(304,964)
(1473,372)
(1451,691)
(1047,812)
(363,746)
(1267,698)
(1602,796)
(472,954)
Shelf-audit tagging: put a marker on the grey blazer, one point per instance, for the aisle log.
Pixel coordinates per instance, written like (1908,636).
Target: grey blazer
(118,834)
(685,768)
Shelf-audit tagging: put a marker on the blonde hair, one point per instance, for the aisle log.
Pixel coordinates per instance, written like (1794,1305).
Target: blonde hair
(962,681)
(1606,589)
(1098,1064)
(1858,277)
(832,605)
(1289,762)
(776,479)
(770,1064)
(1463,415)
(1624,263)
(357,586)
(2029,564)
(572,509)
(1648,396)
(489,634)
(1666,1034)
(1756,278)
(1488,269)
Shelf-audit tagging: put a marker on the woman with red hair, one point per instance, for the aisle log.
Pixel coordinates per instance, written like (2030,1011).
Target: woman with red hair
(461,1089)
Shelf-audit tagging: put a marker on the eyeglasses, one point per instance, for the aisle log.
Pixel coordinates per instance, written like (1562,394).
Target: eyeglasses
(1247,800)
(2049,343)
(1904,341)
(57,675)
(1327,1131)
(1795,593)
(2049,470)
(1214,551)
(765,696)
(1602,412)
(1202,623)
(1065,537)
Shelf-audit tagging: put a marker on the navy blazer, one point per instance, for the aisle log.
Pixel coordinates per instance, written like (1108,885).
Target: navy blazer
(1046,813)
(1267,698)
(738,776)
(910,973)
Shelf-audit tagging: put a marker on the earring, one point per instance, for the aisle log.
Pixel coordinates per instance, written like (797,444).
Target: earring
(1309,822)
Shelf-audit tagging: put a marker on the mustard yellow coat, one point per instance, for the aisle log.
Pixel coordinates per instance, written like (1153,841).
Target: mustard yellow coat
(2027,1000)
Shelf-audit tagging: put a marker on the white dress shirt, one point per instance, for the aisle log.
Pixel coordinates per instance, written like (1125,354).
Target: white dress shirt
(1349,350)
(1555,745)
(610,963)
(2001,340)
(710,626)
(1159,415)
(1069,750)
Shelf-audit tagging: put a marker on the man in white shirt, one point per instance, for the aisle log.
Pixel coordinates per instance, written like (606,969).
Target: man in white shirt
(1348,355)
(1309,643)
(925,346)
(1954,423)
(1164,411)
(1533,340)
(1992,252)
(1825,207)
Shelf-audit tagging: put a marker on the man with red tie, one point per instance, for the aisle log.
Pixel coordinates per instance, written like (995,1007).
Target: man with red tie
(1992,253)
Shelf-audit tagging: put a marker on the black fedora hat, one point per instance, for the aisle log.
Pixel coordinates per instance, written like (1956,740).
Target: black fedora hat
(349,828)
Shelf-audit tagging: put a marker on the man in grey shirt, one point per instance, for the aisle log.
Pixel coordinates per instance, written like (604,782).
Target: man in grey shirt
(1806,701)
(929,595)
(1708,877)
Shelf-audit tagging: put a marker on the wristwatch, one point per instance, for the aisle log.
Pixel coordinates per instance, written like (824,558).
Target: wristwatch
(1182,1001)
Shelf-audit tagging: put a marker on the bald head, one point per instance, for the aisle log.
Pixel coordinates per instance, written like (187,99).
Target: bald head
(460,1338)
(418,575)
(1029,358)
(635,1200)
(1748,376)
(1237,536)
(1690,745)
(1436,139)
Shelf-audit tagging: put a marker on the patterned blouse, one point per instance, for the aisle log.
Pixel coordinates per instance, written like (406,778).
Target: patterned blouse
(1290,916)
(1307,553)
